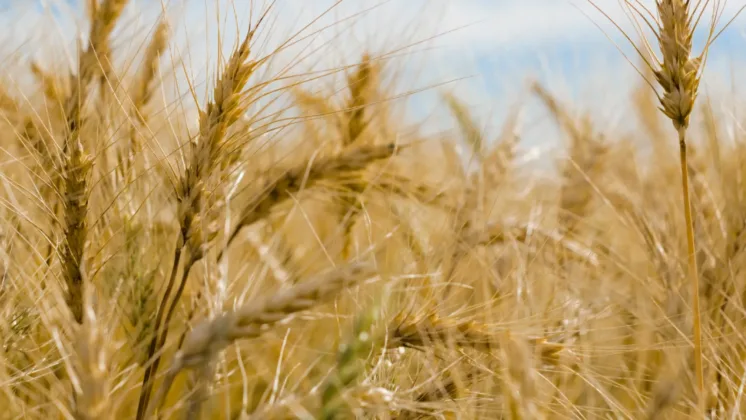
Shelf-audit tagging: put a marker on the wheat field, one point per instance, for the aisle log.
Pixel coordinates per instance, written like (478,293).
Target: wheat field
(272,243)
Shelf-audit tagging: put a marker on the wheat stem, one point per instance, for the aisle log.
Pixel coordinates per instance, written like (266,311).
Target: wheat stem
(164,334)
(692,260)
(151,369)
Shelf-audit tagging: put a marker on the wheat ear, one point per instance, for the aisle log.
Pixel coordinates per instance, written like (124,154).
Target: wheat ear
(76,171)
(359,84)
(76,165)
(210,337)
(280,189)
(144,88)
(426,330)
(470,130)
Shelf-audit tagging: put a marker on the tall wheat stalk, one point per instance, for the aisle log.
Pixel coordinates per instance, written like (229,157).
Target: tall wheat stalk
(678,74)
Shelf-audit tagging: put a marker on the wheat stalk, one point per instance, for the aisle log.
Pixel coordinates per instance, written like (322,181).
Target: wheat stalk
(678,72)
(196,233)
(679,75)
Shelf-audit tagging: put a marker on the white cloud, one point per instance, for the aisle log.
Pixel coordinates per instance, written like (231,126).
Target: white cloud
(526,23)
(499,42)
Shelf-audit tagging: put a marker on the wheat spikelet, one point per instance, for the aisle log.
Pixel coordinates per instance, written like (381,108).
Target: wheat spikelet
(6,252)
(359,84)
(428,330)
(314,104)
(55,89)
(142,309)
(678,73)
(77,169)
(7,103)
(451,387)
(92,8)
(492,163)
(99,53)
(498,162)
(42,146)
(380,183)
(471,132)
(210,147)
(664,397)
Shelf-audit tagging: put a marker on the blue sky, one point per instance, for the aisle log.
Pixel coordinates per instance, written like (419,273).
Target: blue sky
(495,44)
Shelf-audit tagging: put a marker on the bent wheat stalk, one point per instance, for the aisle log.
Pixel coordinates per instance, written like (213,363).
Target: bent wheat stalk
(210,337)
(280,189)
